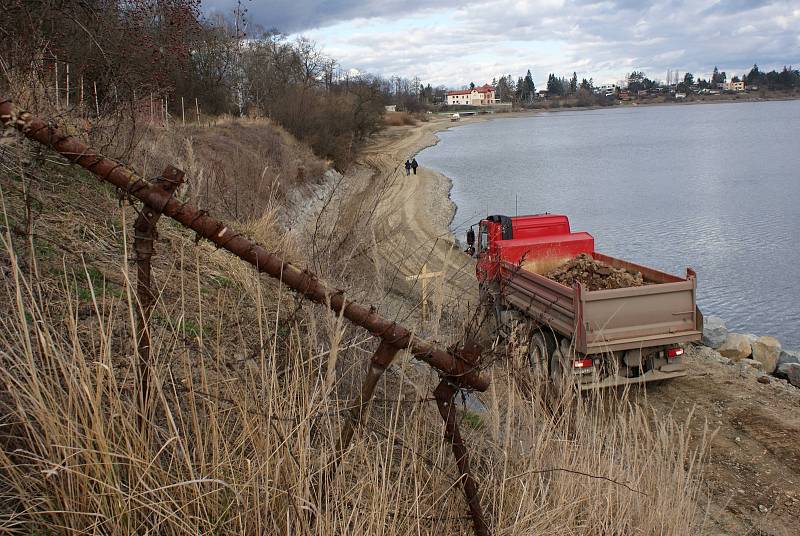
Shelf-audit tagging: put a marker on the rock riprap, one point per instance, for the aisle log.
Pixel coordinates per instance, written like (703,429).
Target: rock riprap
(766,350)
(788,356)
(792,373)
(714,331)
(735,347)
(595,275)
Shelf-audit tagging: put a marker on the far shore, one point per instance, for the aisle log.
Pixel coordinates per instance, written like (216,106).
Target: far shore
(630,104)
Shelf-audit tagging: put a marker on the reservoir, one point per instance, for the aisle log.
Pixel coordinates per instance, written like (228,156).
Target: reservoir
(711,186)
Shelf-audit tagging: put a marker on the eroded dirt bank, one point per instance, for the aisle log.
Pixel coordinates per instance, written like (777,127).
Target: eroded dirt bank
(752,474)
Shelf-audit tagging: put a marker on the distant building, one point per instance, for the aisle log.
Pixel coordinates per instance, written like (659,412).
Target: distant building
(680,96)
(391,108)
(478,96)
(734,86)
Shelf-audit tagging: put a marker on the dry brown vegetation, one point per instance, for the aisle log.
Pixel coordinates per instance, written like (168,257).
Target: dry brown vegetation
(249,388)
(397,119)
(237,166)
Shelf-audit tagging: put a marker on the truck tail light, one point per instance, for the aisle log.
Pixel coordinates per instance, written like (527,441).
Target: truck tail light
(672,353)
(582,363)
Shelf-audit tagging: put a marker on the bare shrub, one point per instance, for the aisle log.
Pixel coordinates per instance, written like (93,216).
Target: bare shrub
(396,119)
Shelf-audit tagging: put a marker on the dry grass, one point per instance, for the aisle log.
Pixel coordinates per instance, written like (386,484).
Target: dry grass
(235,443)
(237,166)
(249,388)
(398,119)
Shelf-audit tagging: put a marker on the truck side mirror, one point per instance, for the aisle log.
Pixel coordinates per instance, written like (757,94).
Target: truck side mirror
(470,242)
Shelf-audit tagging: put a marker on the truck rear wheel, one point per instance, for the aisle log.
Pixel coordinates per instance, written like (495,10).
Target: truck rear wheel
(540,348)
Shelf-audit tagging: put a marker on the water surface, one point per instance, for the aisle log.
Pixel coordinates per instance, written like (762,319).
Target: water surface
(715,187)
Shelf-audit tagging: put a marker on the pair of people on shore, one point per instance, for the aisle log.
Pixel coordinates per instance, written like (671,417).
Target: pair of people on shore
(412,164)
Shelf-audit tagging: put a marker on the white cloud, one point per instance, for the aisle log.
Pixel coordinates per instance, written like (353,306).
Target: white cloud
(453,43)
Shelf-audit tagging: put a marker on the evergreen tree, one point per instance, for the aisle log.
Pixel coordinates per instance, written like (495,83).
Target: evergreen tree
(529,90)
(573,84)
(717,77)
(755,77)
(553,85)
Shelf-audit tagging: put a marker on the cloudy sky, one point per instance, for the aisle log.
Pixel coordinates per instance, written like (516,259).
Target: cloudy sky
(451,42)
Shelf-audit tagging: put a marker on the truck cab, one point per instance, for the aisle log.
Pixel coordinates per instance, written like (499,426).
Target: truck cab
(541,238)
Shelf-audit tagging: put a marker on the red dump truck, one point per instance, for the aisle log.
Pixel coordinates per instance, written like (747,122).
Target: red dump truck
(597,338)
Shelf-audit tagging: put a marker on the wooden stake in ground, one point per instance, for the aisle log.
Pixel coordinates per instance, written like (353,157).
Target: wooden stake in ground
(81,91)
(197,109)
(423,277)
(151,108)
(57,96)
(96,102)
(183,113)
(67,86)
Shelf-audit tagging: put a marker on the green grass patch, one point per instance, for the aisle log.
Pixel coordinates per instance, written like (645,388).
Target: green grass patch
(473,420)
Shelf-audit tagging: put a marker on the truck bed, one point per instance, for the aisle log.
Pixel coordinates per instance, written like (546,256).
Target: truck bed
(662,312)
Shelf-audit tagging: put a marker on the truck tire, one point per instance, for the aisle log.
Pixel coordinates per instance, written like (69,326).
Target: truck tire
(540,348)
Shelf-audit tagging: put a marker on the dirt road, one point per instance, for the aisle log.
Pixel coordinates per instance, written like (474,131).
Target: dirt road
(409,216)
(752,472)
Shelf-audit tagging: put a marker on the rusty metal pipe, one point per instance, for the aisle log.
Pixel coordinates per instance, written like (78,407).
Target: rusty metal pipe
(445,394)
(225,237)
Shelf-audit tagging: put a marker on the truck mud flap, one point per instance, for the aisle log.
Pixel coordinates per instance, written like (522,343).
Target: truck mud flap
(649,376)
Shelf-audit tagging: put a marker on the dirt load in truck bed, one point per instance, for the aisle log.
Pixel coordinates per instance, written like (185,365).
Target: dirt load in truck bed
(595,275)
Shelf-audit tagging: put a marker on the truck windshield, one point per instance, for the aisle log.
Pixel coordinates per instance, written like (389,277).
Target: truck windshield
(483,238)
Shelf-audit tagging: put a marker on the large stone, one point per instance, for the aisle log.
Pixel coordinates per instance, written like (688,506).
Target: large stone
(782,371)
(766,350)
(714,331)
(788,356)
(735,347)
(792,373)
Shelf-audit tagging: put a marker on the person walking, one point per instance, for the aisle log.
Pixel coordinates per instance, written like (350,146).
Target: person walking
(408,168)
(414,165)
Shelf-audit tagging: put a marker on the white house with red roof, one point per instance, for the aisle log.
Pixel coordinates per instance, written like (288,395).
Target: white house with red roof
(478,96)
